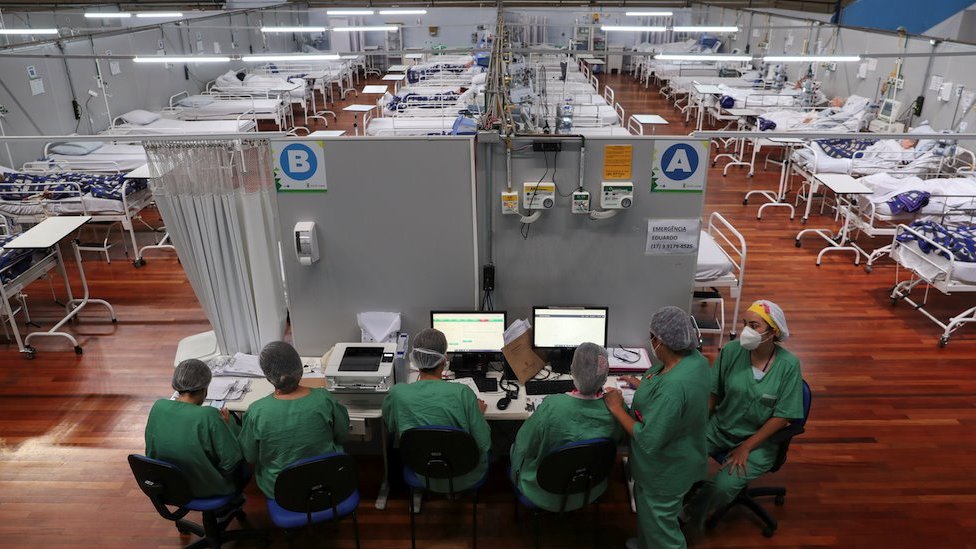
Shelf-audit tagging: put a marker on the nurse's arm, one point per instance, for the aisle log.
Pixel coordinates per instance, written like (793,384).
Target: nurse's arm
(614,400)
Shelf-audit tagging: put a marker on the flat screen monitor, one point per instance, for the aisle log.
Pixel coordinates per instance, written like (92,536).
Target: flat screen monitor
(567,327)
(471,331)
(889,110)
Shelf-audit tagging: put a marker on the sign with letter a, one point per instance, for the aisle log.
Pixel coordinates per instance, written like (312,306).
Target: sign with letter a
(299,166)
(680,166)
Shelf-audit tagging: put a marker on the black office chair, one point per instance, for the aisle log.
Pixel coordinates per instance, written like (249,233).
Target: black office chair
(444,453)
(315,490)
(747,497)
(572,469)
(166,487)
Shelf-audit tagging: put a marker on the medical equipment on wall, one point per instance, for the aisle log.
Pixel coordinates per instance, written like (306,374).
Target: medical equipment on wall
(810,89)
(306,243)
(360,367)
(538,195)
(616,195)
(581,202)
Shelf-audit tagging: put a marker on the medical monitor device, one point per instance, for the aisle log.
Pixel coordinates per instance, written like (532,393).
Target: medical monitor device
(889,110)
(561,329)
(475,338)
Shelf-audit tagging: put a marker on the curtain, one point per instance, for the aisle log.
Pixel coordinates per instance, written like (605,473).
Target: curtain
(217,199)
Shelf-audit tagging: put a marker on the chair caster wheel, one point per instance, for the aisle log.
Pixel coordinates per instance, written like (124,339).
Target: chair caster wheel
(868,269)
(797,243)
(745,202)
(138,263)
(78,350)
(943,341)
(779,500)
(768,532)
(29,352)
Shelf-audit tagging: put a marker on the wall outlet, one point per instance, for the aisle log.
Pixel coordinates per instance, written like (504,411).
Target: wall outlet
(581,202)
(617,195)
(538,196)
(510,203)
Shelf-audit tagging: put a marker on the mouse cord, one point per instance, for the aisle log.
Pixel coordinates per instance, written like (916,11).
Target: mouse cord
(510,387)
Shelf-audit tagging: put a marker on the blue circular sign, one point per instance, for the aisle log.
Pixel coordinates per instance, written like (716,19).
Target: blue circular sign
(298,161)
(679,162)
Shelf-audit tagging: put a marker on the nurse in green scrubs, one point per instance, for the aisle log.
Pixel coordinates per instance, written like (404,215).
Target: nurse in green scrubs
(431,401)
(756,390)
(293,423)
(562,419)
(200,440)
(667,428)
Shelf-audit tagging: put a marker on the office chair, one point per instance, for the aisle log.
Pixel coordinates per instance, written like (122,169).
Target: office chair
(747,496)
(444,453)
(572,469)
(166,487)
(315,490)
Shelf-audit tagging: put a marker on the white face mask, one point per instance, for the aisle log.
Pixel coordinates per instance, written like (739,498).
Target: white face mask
(750,338)
(654,358)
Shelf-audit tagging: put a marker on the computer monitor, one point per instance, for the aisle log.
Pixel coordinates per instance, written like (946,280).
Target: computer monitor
(889,110)
(561,329)
(474,337)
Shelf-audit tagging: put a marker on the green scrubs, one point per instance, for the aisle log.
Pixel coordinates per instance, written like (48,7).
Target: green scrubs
(195,439)
(559,420)
(668,448)
(432,402)
(279,432)
(744,404)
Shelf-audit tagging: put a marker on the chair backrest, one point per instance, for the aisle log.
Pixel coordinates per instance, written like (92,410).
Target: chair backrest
(164,483)
(439,452)
(796,427)
(576,467)
(315,484)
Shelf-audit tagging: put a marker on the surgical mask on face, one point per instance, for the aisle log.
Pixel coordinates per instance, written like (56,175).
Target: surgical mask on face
(750,338)
(654,358)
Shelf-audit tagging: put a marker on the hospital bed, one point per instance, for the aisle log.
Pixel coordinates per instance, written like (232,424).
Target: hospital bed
(176,126)
(219,106)
(107,158)
(936,257)
(413,124)
(721,265)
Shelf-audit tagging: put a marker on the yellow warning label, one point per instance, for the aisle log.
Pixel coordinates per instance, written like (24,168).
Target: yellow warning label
(617,161)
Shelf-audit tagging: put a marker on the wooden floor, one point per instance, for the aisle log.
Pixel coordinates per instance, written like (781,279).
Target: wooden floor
(888,459)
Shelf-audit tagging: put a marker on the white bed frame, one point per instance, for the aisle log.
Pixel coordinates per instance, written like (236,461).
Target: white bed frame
(733,246)
(942,280)
(14,289)
(282,115)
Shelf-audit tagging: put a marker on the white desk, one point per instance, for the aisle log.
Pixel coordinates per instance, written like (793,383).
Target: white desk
(396,79)
(326,133)
(397,68)
(743,112)
(702,90)
(44,235)
(356,110)
(777,199)
(846,188)
(652,120)
(374,90)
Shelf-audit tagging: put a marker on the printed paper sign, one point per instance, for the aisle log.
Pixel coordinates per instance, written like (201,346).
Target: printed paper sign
(617,161)
(299,166)
(680,166)
(672,236)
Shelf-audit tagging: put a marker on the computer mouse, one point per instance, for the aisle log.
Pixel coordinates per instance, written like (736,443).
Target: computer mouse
(503,403)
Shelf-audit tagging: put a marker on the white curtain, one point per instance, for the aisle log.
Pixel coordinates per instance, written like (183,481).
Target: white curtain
(217,199)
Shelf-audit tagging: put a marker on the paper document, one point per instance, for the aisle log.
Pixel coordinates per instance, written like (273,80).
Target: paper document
(628,359)
(239,365)
(467,381)
(516,329)
(377,326)
(227,388)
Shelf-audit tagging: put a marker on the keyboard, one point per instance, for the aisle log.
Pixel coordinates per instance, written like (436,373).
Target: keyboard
(549,387)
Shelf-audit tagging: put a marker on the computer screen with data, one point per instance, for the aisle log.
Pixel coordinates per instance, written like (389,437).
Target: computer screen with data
(471,332)
(566,327)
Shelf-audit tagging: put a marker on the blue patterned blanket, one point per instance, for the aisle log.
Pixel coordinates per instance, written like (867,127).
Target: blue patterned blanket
(844,148)
(9,257)
(22,186)
(961,240)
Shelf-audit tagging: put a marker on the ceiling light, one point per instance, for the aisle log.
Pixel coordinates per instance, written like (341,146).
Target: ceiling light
(28,31)
(403,12)
(108,15)
(289,57)
(702,57)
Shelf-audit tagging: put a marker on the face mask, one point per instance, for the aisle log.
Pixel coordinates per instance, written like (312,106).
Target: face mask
(750,339)
(654,358)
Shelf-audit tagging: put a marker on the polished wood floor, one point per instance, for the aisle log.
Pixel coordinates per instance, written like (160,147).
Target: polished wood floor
(888,459)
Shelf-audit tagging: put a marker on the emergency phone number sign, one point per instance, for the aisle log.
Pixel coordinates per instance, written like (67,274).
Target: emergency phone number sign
(672,236)
(680,165)
(299,166)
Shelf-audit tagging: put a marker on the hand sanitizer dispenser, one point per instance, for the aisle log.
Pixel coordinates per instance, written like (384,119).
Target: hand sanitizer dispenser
(306,243)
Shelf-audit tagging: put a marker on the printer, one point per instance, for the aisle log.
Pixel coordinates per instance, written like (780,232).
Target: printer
(360,367)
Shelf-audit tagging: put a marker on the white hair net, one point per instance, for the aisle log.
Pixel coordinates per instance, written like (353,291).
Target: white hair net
(281,365)
(674,328)
(190,376)
(589,368)
(429,349)
(773,315)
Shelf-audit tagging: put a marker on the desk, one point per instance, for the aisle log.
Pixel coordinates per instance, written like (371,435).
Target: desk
(702,90)
(396,79)
(779,198)
(651,119)
(397,68)
(356,110)
(48,234)
(415,57)
(374,90)
(847,189)
(326,133)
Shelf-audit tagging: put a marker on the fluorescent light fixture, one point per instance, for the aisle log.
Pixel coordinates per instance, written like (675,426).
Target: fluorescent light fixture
(403,12)
(293,29)
(647,13)
(289,57)
(705,29)
(108,15)
(28,31)
(349,12)
(701,57)
(387,28)
(812,58)
(149,14)
(181,59)
(626,28)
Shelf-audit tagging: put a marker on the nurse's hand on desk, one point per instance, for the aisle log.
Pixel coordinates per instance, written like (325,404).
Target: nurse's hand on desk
(613,398)
(225,415)
(634,382)
(482,406)
(736,460)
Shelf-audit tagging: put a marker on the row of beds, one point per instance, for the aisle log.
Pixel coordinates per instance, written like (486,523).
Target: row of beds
(921,209)
(444,96)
